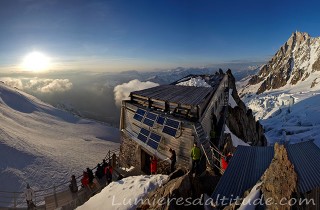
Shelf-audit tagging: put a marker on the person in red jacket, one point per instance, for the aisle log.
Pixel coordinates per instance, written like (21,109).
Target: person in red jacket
(153,165)
(108,172)
(224,163)
(228,157)
(85,179)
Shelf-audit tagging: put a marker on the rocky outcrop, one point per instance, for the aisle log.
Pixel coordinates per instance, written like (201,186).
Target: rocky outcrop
(183,191)
(161,197)
(279,180)
(241,121)
(314,83)
(293,62)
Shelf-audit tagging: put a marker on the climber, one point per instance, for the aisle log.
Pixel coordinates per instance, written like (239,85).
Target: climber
(173,159)
(223,163)
(195,155)
(99,172)
(29,195)
(85,180)
(108,173)
(73,184)
(153,165)
(90,175)
(228,157)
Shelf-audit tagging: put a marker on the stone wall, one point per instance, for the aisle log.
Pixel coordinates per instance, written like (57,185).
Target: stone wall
(130,155)
(130,152)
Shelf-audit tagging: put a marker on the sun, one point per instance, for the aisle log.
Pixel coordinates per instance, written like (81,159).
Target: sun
(36,62)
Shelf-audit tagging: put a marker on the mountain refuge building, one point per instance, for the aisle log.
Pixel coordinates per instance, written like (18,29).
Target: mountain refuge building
(172,116)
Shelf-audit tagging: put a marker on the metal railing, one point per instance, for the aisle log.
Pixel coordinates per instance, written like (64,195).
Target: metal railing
(212,165)
(17,199)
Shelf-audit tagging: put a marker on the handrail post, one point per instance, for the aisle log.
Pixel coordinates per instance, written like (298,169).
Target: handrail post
(55,196)
(35,198)
(14,200)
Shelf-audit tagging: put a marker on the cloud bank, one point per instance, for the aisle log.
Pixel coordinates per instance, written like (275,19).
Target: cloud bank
(49,85)
(38,84)
(12,82)
(122,92)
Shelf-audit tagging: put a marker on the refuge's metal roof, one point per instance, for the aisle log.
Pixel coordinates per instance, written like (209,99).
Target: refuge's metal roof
(245,169)
(305,157)
(187,95)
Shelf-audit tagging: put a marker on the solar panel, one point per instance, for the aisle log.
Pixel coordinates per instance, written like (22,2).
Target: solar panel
(151,116)
(155,137)
(142,137)
(141,111)
(170,131)
(172,123)
(145,132)
(139,114)
(160,120)
(153,144)
(138,117)
(148,122)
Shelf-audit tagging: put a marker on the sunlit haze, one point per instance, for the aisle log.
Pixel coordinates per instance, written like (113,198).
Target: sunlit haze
(35,62)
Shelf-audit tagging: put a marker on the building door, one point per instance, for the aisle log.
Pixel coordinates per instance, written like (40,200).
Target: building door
(145,162)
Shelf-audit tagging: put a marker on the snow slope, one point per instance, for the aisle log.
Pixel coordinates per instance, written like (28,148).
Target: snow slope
(235,140)
(124,194)
(42,145)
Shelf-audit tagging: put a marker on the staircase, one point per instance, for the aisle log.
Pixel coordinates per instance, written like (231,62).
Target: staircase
(205,146)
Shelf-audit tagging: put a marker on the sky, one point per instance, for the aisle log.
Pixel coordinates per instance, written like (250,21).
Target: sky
(118,35)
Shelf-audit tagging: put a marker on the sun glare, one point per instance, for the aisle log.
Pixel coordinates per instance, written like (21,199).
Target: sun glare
(36,62)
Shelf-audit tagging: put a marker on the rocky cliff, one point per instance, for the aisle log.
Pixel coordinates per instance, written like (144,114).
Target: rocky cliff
(294,62)
(241,121)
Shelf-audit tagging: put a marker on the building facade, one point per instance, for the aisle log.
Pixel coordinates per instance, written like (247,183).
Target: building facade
(171,116)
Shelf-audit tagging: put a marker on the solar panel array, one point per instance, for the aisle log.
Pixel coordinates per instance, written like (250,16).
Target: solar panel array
(149,138)
(170,126)
(148,118)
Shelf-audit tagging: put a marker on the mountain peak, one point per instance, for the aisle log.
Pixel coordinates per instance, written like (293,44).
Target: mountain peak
(293,63)
(296,39)
(300,34)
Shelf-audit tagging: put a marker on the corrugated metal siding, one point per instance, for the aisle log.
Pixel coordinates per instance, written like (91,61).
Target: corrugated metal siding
(177,94)
(305,157)
(245,169)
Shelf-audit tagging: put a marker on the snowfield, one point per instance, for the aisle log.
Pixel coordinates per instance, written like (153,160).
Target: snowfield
(42,145)
(124,194)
